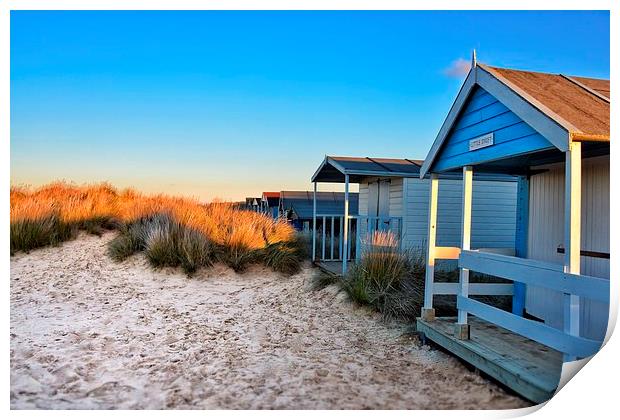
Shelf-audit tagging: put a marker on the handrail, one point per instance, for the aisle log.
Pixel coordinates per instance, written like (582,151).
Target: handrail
(537,273)
(330,241)
(359,216)
(537,331)
(332,215)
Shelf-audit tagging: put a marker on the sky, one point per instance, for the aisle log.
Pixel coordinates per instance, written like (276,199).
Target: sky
(226,105)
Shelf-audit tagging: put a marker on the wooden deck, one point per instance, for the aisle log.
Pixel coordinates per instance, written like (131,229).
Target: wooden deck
(331,267)
(525,366)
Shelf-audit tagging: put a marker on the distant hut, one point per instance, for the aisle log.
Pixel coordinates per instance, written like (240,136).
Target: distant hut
(270,204)
(253,203)
(552,131)
(298,206)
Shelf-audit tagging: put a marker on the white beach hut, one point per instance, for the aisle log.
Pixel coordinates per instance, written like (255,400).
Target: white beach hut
(392,197)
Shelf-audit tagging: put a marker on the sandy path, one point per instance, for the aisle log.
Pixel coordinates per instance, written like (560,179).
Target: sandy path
(90,333)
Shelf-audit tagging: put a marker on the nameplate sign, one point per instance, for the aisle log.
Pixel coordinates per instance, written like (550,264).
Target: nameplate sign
(481,142)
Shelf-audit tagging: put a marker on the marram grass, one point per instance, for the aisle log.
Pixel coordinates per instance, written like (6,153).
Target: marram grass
(387,278)
(171,231)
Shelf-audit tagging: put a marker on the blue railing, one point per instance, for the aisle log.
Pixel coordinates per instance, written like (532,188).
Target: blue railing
(536,273)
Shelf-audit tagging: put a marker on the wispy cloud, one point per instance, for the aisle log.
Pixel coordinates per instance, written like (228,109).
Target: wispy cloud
(458,68)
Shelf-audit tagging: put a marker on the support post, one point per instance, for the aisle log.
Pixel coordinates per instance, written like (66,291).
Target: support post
(572,236)
(314,224)
(523,210)
(461,330)
(358,239)
(341,227)
(349,253)
(331,240)
(345,234)
(428,312)
(323,237)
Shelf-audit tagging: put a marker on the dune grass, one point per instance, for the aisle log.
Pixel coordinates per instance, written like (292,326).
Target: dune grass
(391,280)
(171,231)
(386,278)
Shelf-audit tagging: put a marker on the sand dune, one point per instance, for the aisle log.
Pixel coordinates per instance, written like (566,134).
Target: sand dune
(90,333)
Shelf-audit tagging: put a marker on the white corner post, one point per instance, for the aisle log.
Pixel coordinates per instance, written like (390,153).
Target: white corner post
(572,235)
(314,224)
(345,233)
(428,312)
(461,329)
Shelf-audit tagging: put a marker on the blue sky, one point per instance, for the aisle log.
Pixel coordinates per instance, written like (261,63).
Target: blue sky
(229,104)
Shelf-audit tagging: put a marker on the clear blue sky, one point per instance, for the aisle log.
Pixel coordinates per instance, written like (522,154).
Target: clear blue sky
(229,104)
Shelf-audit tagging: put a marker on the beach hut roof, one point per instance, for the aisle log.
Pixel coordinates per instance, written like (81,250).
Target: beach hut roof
(559,107)
(252,201)
(272,198)
(579,103)
(301,202)
(334,168)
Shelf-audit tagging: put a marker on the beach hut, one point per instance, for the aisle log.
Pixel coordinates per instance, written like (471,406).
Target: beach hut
(298,207)
(393,198)
(270,204)
(552,132)
(253,203)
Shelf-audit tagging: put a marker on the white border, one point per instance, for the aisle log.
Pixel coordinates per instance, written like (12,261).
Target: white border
(593,394)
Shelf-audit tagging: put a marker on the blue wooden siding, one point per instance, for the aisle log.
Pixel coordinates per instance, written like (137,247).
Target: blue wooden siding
(493,214)
(483,114)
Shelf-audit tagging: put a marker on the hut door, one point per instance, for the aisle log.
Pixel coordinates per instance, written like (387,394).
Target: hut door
(383,204)
(378,205)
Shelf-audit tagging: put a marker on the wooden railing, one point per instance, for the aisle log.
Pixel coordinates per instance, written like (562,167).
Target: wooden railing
(535,273)
(432,288)
(329,235)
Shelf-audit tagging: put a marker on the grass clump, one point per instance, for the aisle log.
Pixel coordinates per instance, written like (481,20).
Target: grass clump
(195,251)
(165,242)
(237,256)
(286,257)
(386,278)
(323,279)
(129,241)
(168,243)
(57,212)
(29,234)
(392,280)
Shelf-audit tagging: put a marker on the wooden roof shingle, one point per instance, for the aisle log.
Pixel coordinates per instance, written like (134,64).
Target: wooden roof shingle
(582,102)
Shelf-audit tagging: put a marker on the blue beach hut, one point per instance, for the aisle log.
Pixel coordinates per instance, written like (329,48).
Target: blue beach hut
(552,132)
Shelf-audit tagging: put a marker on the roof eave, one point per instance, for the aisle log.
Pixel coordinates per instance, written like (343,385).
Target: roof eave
(463,94)
(390,174)
(321,166)
(330,161)
(603,138)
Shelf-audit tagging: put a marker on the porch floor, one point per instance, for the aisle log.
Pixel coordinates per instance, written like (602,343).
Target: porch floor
(331,267)
(530,369)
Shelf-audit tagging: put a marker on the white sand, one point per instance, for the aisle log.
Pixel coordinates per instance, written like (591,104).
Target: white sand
(90,333)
